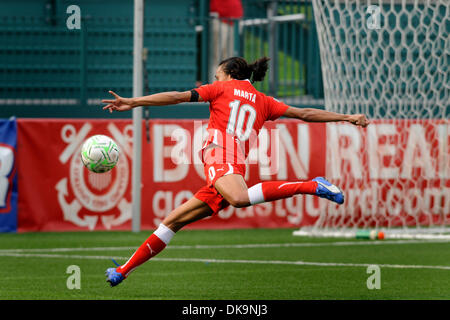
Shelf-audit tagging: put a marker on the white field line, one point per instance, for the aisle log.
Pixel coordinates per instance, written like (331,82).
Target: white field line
(276,262)
(236,246)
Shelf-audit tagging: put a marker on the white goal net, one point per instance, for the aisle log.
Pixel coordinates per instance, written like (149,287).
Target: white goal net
(387,59)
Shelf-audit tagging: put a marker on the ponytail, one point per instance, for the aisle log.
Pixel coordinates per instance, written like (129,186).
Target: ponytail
(239,69)
(259,69)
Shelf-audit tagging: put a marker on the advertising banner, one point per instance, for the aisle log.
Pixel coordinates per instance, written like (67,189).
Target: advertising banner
(389,168)
(8,175)
(58,193)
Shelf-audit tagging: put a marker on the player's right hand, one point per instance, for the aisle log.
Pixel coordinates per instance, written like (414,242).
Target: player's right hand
(118,104)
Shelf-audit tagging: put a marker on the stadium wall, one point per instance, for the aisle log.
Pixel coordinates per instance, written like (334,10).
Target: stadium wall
(50,71)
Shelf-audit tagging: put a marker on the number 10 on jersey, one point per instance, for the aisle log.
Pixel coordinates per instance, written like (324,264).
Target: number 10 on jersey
(238,115)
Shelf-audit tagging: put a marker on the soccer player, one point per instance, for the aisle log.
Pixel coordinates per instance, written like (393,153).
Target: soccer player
(237,111)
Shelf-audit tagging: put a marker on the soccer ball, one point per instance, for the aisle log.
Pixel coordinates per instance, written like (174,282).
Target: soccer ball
(99,153)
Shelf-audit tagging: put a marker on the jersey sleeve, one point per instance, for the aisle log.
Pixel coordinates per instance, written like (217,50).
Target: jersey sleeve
(209,92)
(275,108)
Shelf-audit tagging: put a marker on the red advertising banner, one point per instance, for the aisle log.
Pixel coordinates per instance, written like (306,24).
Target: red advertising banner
(389,168)
(393,173)
(56,192)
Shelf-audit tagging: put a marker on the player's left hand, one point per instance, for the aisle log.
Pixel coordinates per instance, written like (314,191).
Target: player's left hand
(359,120)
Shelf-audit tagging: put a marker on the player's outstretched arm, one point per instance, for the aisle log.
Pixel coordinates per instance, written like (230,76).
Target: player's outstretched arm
(317,115)
(158,99)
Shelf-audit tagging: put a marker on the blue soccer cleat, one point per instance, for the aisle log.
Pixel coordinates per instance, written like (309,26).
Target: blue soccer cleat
(114,277)
(327,190)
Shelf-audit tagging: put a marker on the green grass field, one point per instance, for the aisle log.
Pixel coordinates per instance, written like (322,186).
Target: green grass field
(249,264)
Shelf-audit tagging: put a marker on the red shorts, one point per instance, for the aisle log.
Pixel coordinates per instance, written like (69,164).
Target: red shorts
(214,169)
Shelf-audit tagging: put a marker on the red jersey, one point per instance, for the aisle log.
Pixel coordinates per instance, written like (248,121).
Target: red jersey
(237,113)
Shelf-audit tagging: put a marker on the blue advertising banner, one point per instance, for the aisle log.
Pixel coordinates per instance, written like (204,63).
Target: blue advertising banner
(8,175)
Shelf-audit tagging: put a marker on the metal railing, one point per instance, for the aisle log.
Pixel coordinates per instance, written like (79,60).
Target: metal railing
(286,34)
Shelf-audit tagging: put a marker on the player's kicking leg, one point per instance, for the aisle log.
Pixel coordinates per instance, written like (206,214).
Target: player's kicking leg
(234,189)
(188,212)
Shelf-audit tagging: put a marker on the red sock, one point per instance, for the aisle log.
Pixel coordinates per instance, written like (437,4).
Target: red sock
(275,190)
(150,248)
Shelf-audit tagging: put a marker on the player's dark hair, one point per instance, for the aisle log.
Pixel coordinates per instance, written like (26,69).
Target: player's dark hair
(239,69)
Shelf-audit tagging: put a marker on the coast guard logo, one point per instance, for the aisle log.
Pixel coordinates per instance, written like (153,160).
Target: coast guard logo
(96,193)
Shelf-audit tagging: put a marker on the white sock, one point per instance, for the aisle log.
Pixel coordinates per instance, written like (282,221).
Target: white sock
(164,233)
(255,194)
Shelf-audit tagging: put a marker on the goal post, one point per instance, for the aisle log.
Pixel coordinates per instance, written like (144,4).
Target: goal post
(138,42)
(389,60)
